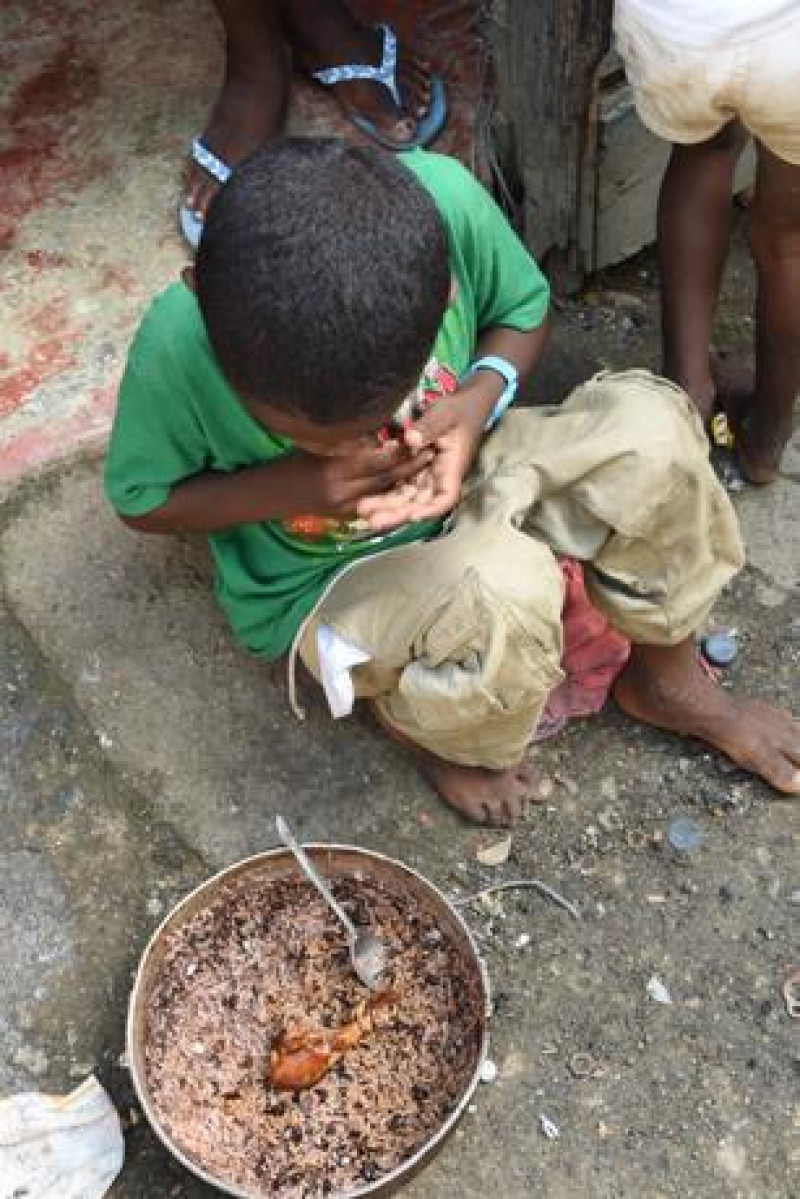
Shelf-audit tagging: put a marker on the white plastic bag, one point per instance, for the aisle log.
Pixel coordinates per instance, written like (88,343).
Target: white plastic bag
(60,1147)
(336,658)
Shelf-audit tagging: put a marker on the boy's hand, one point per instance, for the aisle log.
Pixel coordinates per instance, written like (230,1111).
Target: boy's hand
(294,485)
(452,429)
(334,485)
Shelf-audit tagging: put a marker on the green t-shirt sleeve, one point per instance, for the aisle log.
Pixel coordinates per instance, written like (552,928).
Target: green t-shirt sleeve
(157,439)
(508,287)
(510,290)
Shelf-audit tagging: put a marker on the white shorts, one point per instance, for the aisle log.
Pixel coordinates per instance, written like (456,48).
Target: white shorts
(686,94)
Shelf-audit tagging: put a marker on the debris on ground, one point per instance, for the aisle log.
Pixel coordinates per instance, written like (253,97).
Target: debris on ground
(489,1071)
(495,854)
(519,884)
(657,991)
(720,649)
(609,820)
(684,835)
(716,799)
(550,1130)
(584,1065)
(543,789)
(608,788)
(70,1146)
(791,993)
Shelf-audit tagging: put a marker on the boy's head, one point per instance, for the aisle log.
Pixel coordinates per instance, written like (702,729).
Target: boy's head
(323,276)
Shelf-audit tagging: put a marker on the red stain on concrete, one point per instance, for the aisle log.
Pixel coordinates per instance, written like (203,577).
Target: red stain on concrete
(46,442)
(118,277)
(44,260)
(63,84)
(41,164)
(52,350)
(71,73)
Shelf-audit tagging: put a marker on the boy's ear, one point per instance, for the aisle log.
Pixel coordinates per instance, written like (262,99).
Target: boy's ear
(187,274)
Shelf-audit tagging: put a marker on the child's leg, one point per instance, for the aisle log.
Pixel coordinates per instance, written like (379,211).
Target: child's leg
(251,106)
(465,639)
(628,488)
(694,225)
(775,245)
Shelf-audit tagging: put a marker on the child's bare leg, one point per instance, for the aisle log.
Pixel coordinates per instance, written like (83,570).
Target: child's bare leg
(250,108)
(666,687)
(694,224)
(775,245)
(493,797)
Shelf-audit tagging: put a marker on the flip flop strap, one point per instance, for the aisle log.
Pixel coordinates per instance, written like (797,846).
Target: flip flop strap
(386,73)
(209,161)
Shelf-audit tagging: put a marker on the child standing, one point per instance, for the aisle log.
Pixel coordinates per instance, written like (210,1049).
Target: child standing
(330,280)
(705,73)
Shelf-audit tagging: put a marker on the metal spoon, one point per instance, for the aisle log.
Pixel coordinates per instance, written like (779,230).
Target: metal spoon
(367,952)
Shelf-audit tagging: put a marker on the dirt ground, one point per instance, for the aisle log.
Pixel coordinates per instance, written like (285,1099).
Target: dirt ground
(141,751)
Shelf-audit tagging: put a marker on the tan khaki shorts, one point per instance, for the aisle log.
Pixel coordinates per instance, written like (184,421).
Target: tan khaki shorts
(686,95)
(463,633)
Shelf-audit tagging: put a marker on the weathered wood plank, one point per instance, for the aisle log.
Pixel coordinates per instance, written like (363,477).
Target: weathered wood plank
(547,53)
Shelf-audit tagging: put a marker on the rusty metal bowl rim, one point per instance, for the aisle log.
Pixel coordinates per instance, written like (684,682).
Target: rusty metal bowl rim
(402,1173)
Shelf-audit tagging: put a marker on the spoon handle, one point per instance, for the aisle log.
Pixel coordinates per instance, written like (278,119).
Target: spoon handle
(290,841)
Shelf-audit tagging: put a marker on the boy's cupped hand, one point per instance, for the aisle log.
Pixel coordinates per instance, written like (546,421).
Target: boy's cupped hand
(451,432)
(336,484)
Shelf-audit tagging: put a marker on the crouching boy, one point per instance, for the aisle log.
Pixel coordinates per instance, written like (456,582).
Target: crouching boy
(329,406)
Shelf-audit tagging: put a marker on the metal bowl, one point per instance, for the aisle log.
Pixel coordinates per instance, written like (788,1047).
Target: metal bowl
(279,864)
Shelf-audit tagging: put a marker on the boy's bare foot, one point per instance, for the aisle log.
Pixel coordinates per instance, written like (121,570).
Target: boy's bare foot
(492,797)
(667,687)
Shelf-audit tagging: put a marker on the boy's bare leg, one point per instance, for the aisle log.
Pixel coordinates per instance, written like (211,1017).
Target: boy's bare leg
(493,797)
(251,107)
(694,225)
(667,687)
(775,245)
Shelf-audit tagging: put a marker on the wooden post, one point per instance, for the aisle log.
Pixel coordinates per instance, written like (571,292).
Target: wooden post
(547,53)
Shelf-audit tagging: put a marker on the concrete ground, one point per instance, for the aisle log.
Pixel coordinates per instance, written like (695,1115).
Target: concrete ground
(140,751)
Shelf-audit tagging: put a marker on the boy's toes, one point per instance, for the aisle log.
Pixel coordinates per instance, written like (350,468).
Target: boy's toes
(771,748)
(515,788)
(199,194)
(786,778)
(786,759)
(496,815)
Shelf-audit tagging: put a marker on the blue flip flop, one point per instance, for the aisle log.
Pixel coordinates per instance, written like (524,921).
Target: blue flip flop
(192,222)
(428,127)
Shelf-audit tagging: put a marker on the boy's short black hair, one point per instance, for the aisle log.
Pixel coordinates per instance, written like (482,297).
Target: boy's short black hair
(323,276)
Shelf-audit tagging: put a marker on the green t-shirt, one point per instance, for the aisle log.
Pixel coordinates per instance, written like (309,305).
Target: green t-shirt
(177,415)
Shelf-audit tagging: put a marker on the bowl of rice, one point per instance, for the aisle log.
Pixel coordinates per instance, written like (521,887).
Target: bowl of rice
(265,1066)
